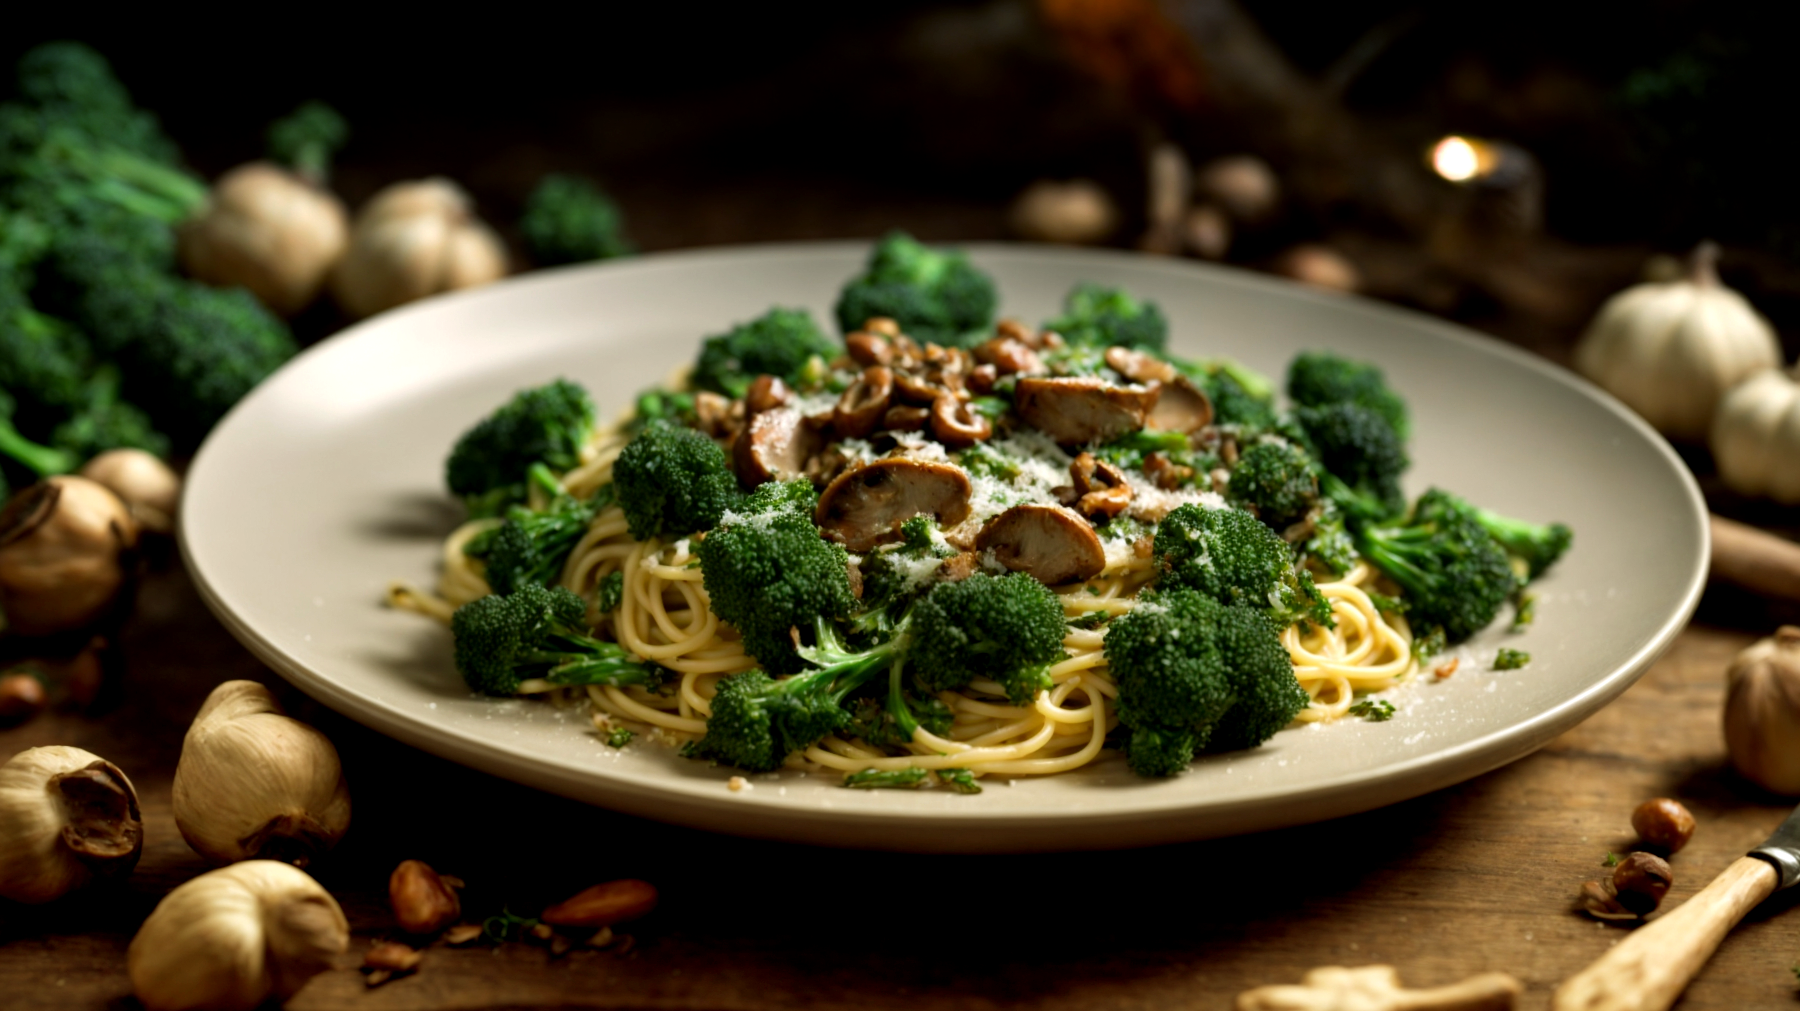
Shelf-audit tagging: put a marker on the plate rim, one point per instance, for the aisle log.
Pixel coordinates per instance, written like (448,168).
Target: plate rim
(1152,822)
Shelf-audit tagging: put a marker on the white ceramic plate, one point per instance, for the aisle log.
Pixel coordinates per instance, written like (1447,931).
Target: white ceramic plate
(326,484)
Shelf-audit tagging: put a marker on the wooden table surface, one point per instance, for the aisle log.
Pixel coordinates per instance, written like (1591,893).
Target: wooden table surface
(1476,877)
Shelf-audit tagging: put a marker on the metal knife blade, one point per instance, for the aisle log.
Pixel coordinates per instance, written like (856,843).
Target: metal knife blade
(1783,850)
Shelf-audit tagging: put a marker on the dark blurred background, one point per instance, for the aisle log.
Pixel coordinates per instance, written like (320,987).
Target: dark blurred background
(1654,123)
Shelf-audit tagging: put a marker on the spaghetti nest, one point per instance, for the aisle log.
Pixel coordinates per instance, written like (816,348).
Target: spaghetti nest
(663,614)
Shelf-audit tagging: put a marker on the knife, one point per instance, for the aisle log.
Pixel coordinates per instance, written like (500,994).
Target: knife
(1648,970)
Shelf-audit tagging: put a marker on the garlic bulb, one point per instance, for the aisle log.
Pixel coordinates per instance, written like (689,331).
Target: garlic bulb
(1074,212)
(65,554)
(1244,185)
(147,486)
(1756,436)
(411,240)
(1671,350)
(1762,712)
(266,229)
(230,938)
(67,818)
(254,782)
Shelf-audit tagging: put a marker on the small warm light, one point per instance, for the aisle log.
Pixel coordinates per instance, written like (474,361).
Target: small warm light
(1456,159)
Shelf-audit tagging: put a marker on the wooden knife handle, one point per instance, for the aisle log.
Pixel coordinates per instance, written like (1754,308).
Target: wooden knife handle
(1755,559)
(1649,969)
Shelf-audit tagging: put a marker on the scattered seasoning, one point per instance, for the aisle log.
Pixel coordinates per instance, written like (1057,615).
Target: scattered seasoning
(737,783)
(1091,619)
(619,737)
(1511,659)
(1447,668)
(881,779)
(612,592)
(1373,710)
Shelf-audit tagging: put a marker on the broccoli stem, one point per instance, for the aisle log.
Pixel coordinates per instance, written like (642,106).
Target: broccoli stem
(42,460)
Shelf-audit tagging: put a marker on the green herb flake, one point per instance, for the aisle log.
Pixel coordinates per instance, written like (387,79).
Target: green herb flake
(1092,619)
(960,780)
(1612,860)
(1511,659)
(1524,609)
(1429,645)
(506,927)
(612,592)
(619,737)
(1373,710)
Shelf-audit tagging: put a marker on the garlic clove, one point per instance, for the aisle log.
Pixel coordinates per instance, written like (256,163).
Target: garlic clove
(1762,712)
(65,555)
(266,229)
(253,782)
(231,938)
(67,818)
(150,489)
(1755,436)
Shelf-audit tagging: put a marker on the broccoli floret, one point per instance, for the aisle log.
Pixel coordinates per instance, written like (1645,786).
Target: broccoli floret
(1231,556)
(934,294)
(546,425)
(757,721)
(1276,478)
(618,737)
(1330,544)
(662,405)
(1362,457)
(960,780)
(780,342)
(611,592)
(673,480)
(768,571)
(531,546)
(305,139)
(1097,316)
(1320,378)
(76,85)
(1006,629)
(535,632)
(1454,574)
(51,164)
(1130,451)
(568,219)
(1534,547)
(874,721)
(1194,673)
(1241,397)
(103,422)
(43,360)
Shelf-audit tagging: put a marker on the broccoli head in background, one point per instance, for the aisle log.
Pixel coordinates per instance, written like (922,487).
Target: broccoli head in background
(1455,575)
(1277,479)
(1319,378)
(757,721)
(672,480)
(104,422)
(75,85)
(778,343)
(1195,673)
(1362,456)
(1098,316)
(305,139)
(1330,544)
(1006,629)
(546,425)
(533,632)
(1230,556)
(768,571)
(934,294)
(568,219)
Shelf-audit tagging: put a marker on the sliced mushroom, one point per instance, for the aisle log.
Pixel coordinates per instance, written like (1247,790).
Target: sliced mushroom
(1099,487)
(982,379)
(956,425)
(860,409)
(865,505)
(717,416)
(905,419)
(1166,473)
(1017,330)
(1049,543)
(882,325)
(915,390)
(1075,410)
(1181,407)
(1009,356)
(775,447)
(868,349)
(765,394)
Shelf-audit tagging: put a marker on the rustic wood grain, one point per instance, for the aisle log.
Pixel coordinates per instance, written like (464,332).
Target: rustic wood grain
(1475,878)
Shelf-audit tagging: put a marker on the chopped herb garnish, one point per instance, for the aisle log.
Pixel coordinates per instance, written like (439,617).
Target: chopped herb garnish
(1386,604)
(506,927)
(960,780)
(1524,609)
(612,592)
(1612,860)
(1511,659)
(1092,619)
(1428,645)
(1373,710)
(882,779)
(619,737)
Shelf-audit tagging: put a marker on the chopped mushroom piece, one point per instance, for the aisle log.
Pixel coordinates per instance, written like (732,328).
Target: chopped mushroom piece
(865,505)
(1079,410)
(1100,488)
(955,425)
(765,394)
(905,419)
(916,390)
(1182,407)
(868,349)
(1166,473)
(1139,367)
(1009,356)
(775,447)
(1377,988)
(715,415)
(860,409)
(1050,543)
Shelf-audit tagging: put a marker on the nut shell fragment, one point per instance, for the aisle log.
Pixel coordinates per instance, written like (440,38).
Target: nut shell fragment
(1050,543)
(604,905)
(865,505)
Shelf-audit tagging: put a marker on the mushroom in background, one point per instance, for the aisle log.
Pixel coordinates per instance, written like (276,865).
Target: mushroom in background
(1075,212)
